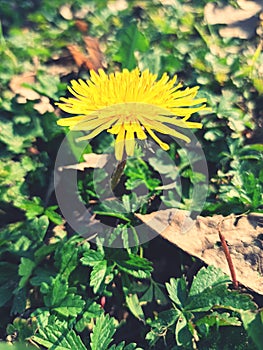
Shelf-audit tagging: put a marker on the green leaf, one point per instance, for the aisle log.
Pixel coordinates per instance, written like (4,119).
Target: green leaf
(130,39)
(55,292)
(103,332)
(160,325)
(218,319)
(92,311)
(25,270)
(183,335)
(135,266)
(220,297)
(91,258)
(42,275)
(19,302)
(71,305)
(20,136)
(133,304)
(8,346)
(53,216)
(207,278)
(32,207)
(177,291)
(8,281)
(66,258)
(253,324)
(44,251)
(40,226)
(58,337)
(98,274)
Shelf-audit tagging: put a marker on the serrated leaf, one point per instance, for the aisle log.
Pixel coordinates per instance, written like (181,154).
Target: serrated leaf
(103,332)
(58,338)
(42,276)
(133,304)
(218,319)
(91,258)
(98,274)
(177,291)
(160,325)
(93,310)
(130,39)
(71,305)
(53,215)
(44,251)
(25,270)
(40,226)
(253,324)
(55,292)
(220,297)
(32,207)
(66,258)
(135,266)
(207,278)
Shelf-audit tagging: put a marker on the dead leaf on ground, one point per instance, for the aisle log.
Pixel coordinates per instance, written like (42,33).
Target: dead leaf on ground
(200,238)
(241,22)
(93,59)
(92,160)
(81,25)
(66,12)
(26,93)
(17,82)
(44,106)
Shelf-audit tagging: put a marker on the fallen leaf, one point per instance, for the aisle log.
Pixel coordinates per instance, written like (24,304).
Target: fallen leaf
(92,160)
(65,12)
(26,93)
(95,55)
(118,5)
(93,60)
(200,238)
(44,105)
(242,22)
(81,25)
(78,56)
(17,82)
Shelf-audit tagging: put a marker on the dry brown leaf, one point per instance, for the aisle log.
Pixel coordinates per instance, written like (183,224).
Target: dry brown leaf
(25,93)
(92,160)
(44,105)
(81,25)
(241,21)
(96,57)
(200,238)
(65,12)
(93,60)
(16,85)
(78,56)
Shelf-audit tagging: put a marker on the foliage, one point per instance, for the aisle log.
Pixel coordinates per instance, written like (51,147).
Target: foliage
(57,290)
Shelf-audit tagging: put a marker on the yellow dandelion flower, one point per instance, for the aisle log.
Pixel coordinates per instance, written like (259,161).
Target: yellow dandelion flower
(131,105)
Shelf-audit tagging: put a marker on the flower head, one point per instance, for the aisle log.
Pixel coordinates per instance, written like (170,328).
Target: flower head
(130,105)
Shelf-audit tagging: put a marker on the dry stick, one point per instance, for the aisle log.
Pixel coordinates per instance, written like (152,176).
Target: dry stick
(228,256)
(117,174)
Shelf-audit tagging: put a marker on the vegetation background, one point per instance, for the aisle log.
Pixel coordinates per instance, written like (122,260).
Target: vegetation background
(58,291)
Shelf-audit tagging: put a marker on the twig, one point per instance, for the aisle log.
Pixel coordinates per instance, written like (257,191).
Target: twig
(117,174)
(228,256)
